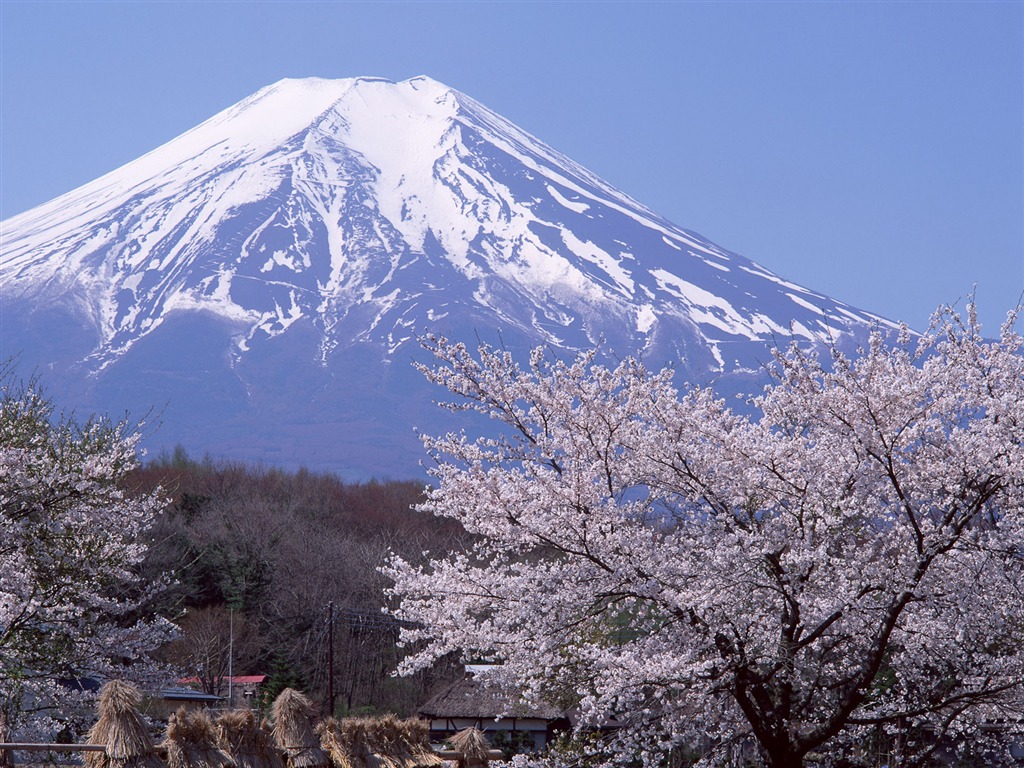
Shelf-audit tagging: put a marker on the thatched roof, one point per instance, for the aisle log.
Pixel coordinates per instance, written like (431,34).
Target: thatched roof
(192,742)
(247,740)
(472,699)
(381,742)
(121,730)
(293,717)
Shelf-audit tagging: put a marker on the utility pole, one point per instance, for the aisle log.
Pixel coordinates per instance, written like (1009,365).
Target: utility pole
(231,650)
(330,658)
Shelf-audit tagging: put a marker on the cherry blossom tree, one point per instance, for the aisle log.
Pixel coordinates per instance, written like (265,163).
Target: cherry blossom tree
(70,537)
(840,570)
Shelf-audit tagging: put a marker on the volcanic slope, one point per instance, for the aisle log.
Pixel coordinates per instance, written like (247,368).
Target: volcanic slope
(261,280)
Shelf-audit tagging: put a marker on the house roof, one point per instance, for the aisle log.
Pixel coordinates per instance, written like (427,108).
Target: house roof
(470,698)
(235,680)
(187,694)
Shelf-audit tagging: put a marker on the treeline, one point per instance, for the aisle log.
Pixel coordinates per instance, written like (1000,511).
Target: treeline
(258,555)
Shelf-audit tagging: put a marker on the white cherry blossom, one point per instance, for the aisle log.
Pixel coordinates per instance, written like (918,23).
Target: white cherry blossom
(842,568)
(71,534)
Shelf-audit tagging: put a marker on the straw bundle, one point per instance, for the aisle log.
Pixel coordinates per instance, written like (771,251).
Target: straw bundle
(377,737)
(473,745)
(415,735)
(334,743)
(121,730)
(247,741)
(384,742)
(294,733)
(192,743)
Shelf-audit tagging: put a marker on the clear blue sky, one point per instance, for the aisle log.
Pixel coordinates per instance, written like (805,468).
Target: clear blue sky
(873,151)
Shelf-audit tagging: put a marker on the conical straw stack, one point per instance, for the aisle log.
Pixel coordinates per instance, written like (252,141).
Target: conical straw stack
(121,730)
(473,745)
(294,732)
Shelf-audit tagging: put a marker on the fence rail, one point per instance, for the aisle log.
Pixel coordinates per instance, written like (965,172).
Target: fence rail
(451,754)
(447,754)
(20,747)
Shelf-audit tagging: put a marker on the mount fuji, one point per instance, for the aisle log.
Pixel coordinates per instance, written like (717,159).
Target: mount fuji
(259,282)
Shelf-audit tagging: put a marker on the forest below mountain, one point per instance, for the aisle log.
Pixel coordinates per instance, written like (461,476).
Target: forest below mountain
(257,556)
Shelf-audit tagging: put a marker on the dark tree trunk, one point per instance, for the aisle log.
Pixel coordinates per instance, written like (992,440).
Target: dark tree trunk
(781,754)
(6,756)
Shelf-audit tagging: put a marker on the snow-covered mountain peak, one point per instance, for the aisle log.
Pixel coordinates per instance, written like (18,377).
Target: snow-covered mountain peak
(341,218)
